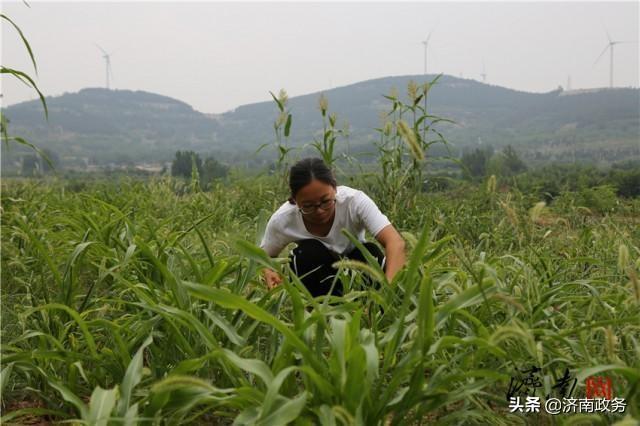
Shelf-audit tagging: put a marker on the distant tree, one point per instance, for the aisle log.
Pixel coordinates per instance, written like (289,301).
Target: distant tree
(628,183)
(476,161)
(183,162)
(212,169)
(506,163)
(512,161)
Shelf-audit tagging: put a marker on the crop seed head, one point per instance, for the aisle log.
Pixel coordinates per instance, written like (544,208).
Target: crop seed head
(536,211)
(623,257)
(388,127)
(323,104)
(283,97)
(333,118)
(491,185)
(512,216)
(612,342)
(411,139)
(412,90)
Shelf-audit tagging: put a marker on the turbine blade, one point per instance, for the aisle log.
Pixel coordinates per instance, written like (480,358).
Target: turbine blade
(605,49)
(605,30)
(98,46)
(608,36)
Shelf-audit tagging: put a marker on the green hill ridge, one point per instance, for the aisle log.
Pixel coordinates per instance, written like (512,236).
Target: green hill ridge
(100,126)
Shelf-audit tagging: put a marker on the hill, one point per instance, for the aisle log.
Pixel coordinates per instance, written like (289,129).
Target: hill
(601,124)
(102,126)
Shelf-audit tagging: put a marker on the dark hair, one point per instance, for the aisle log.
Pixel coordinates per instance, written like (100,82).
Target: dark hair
(306,170)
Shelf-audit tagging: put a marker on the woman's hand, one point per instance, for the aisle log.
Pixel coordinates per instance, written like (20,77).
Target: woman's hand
(394,248)
(271,278)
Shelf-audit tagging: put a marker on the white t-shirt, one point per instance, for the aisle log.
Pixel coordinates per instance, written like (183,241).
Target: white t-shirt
(355,212)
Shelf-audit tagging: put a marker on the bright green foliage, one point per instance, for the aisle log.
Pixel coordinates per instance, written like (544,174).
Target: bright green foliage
(407,133)
(129,302)
(326,147)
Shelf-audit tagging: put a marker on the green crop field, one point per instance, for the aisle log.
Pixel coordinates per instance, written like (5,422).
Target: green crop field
(140,301)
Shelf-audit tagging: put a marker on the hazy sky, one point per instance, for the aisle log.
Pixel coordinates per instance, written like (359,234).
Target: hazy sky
(217,56)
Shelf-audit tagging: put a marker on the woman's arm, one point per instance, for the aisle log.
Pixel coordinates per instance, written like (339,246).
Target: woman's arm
(272,243)
(393,245)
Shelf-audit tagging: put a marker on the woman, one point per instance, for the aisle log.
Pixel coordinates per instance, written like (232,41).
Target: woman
(314,217)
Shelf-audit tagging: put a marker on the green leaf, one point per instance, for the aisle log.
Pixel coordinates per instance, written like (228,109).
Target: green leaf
(232,301)
(22,141)
(255,253)
(78,252)
(205,246)
(426,315)
(287,126)
(368,342)
(253,366)
(4,377)
(275,98)
(132,377)
(78,319)
(376,270)
(44,252)
(169,278)
(633,374)
(24,41)
(215,274)
(101,405)
(181,394)
(326,416)
(416,257)
(131,416)
(261,147)
(69,396)
(273,387)
(29,82)
(287,412)
(189,321)
(31,412)
(227,328)
(469,297)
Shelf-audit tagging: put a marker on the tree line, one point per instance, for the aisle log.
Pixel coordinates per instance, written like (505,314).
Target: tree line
(186,164)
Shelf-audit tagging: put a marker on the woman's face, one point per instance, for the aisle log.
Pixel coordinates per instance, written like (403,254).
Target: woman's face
(312,194)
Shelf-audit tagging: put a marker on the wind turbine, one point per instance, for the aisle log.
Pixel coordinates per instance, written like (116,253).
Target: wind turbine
(484,73)
(107,60)
(426,45)
(610,47)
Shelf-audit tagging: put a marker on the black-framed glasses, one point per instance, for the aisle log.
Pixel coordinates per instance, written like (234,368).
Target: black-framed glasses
(323,205)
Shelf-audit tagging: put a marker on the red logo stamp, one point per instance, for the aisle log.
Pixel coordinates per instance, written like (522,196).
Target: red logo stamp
(599,387)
